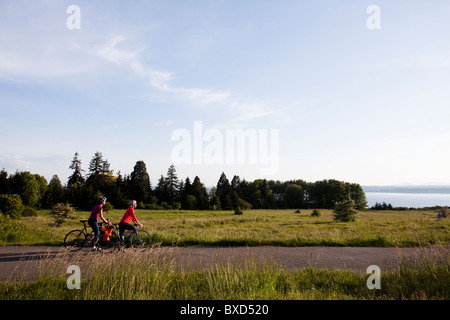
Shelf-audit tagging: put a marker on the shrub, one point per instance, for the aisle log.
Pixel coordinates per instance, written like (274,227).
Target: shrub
(152,206)
(29,212)
(345,211)
(238,211)
(164,205)
(11,205)
(61,212)
(298,211)
(316,213)
(176,206)
(443,212)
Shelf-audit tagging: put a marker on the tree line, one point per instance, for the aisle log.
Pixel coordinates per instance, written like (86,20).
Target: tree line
(82,190)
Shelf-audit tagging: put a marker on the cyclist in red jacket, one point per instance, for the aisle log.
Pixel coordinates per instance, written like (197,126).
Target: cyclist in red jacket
(127,217)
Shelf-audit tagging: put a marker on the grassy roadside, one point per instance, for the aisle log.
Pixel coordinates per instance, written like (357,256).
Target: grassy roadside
(253,228)
(154,276)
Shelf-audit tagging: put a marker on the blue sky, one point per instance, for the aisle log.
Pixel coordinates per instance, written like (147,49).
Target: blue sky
(349,103)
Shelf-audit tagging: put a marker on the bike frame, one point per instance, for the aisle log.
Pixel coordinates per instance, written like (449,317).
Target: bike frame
(117,234)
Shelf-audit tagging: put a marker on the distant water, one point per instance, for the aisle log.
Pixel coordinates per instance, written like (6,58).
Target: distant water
(411,200)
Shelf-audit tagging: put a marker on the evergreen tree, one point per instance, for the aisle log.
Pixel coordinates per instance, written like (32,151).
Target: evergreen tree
(344,211)
(172,185)
(100,181)
(6,183)
(122,195)
(54,194)
(188,201)
(236,185)
(198,190)
(76,180)
(187,187)
(98,165)
(225,193)
(162,192)
(140,186)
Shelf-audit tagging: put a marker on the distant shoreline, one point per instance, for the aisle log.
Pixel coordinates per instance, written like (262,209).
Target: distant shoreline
(408,189)
(408,199)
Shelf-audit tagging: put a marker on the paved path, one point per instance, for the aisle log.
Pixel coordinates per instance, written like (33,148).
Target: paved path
(23,260)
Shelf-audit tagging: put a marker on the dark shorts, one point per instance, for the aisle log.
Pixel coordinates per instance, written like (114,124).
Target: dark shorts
(94,225)
(126,226)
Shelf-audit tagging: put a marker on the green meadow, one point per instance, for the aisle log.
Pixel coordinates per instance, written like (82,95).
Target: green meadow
(252,228)
(152,275)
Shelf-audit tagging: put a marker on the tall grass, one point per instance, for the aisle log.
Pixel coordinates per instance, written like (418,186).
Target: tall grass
(157,275)
(267,227)
(18,232)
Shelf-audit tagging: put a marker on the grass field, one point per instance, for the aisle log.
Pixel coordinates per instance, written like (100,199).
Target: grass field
(150,276)
(255,227)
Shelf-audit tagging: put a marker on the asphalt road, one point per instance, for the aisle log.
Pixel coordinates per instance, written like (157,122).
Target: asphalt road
(22,261)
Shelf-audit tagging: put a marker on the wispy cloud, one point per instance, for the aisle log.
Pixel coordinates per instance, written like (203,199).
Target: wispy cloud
(157,79)
(54,53)
(9,160)
(161,80)
(43,164)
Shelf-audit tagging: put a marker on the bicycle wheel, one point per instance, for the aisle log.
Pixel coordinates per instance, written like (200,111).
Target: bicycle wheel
(141,240)
(75,240)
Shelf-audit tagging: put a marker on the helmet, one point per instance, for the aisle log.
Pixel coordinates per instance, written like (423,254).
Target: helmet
(101,199)
(133,202)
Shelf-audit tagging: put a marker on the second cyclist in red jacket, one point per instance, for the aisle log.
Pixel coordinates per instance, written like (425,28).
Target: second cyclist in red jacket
(129,215)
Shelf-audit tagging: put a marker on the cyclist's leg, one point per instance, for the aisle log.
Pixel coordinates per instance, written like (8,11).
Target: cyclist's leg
(121,230)
(95,228)
(125,226)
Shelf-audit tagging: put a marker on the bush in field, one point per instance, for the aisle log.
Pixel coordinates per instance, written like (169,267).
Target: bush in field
(61,212)
(316,213)
(29,212)
(443,212)
(345,211)
(11,205)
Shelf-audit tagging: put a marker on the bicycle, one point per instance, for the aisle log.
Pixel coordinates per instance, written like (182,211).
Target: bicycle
(139,240)
(75,240)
